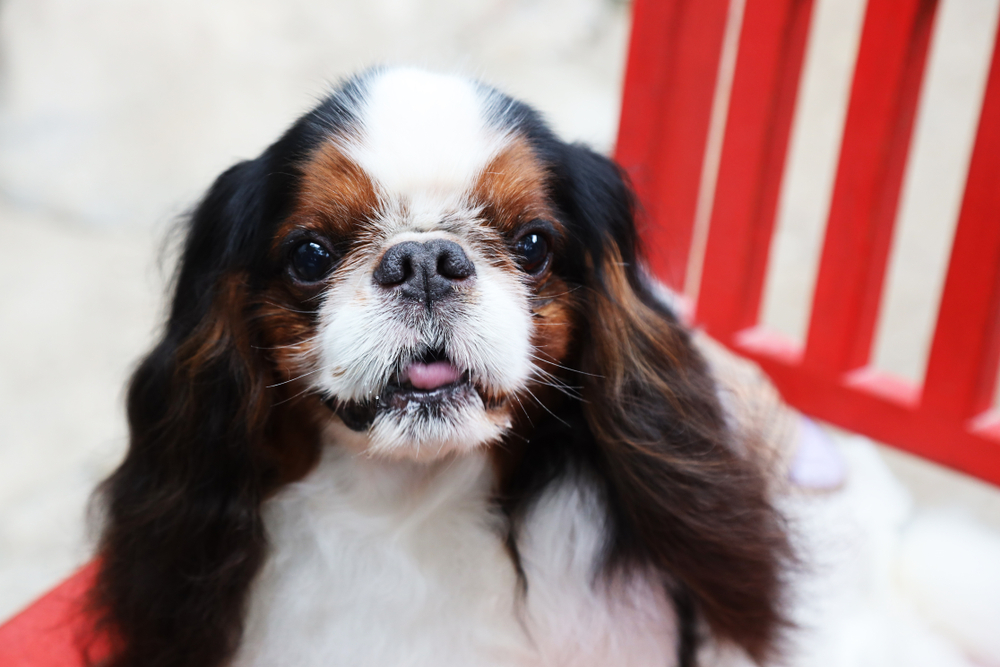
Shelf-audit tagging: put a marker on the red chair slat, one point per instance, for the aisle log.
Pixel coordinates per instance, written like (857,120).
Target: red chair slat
(674,57)
(962,370)
(762,102)
(875,145)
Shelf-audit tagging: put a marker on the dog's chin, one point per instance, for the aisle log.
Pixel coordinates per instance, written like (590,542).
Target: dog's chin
(405,422)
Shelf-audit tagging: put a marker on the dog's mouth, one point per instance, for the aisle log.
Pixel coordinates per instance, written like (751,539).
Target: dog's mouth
(427,386)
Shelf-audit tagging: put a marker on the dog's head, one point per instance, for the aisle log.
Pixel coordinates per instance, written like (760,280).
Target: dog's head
(419,269)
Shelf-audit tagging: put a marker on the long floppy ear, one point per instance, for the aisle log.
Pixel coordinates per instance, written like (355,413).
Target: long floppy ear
(183,535)
(682,499)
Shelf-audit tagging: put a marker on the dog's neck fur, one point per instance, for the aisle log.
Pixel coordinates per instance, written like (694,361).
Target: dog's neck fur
(398,563)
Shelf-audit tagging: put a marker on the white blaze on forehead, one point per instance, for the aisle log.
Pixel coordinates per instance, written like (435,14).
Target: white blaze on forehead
(424,133)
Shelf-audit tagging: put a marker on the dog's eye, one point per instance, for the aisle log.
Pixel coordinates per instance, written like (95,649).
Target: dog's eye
(310,261)
(533,252)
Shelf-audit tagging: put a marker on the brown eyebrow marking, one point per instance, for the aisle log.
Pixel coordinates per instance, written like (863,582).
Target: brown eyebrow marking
(334,194)
(511,189)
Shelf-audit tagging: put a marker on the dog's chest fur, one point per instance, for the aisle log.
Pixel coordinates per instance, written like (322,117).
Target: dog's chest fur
(376,563)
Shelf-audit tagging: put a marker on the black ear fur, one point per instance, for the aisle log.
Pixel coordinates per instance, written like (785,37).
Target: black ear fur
(681,499)
(183,535)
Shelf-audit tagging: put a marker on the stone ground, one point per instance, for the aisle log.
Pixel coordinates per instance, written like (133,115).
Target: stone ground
(115,115)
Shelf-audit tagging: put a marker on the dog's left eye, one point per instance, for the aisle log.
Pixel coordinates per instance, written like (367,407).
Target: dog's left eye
(533,251)
(310,261)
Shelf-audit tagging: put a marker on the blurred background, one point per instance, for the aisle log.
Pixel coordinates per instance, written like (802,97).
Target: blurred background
(116,115)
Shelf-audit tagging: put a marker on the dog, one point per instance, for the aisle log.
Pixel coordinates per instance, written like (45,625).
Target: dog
(417,402)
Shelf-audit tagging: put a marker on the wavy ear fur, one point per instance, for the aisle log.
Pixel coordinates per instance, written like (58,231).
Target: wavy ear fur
(183,535)
(682,500)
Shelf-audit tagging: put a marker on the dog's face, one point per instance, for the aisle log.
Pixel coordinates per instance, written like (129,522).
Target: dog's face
(415,283)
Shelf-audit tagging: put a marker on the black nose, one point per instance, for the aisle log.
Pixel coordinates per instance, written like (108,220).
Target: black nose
(424,271)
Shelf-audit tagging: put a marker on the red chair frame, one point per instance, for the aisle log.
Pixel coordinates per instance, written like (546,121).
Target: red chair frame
(670,89)
(53,631)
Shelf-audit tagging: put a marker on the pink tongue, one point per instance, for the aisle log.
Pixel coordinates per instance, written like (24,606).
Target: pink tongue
(431,376)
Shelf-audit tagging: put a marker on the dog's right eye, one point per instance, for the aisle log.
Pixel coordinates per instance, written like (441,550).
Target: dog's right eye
(310,261)
(533,252)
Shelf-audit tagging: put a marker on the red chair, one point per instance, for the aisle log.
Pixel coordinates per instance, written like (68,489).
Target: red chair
(671,93)
(53,631)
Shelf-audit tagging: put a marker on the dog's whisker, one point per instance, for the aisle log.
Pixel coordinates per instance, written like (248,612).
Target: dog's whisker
(523,409)
(546,408)
(307,390)
(286,309)
(308,340)
(551,362)
(552,380)
(298,377)
(566,390)
(550,297)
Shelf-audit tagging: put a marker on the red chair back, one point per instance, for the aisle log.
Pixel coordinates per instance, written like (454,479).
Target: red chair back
(710,201)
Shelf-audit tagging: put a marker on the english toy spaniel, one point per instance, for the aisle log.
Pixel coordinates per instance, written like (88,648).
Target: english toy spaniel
(416,403)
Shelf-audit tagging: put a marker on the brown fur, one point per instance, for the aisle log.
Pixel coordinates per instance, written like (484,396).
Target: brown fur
(694,492)
(335,195)
(511,189)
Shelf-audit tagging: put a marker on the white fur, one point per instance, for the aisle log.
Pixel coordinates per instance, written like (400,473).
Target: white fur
(949,566)
(853,600)
(627,621)
(462,428)
(402,563)
(424,133)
